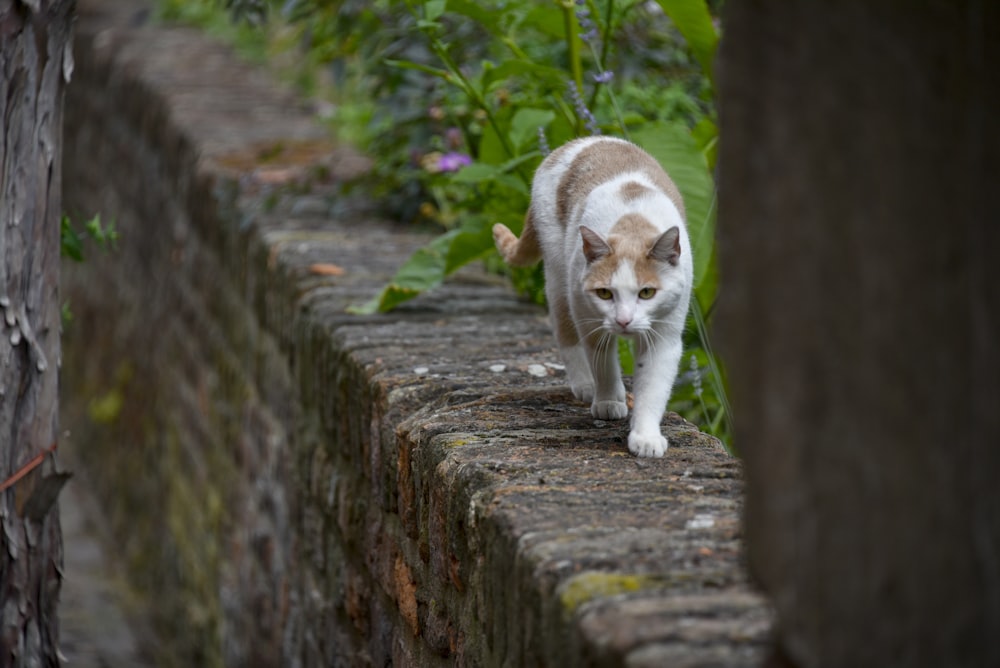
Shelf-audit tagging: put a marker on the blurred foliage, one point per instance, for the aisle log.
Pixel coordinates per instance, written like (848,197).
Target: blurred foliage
(459,100)
(73,236)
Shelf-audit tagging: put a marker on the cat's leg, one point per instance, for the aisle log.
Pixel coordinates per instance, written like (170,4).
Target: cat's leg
(581,382)
(609,392)
(655,372)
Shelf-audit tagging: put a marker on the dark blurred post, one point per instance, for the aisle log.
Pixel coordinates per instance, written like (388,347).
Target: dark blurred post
(34,66)
(860,238)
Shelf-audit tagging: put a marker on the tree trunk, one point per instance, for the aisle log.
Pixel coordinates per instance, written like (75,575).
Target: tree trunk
(35,64)
(859,232)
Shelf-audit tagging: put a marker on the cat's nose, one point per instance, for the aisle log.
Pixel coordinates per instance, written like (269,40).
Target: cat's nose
(623,321)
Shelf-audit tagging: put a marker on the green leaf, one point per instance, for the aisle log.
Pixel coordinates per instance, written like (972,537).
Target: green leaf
(547,18)
(475,173)
(626,356)
(477,13)
(491,148)
(695,23)
(706,134)
(474,240)
(425,269)
(677,151)
(479,174)
(433,9)
(105,235)
(514,163)
(408,65)
(707,290)
(499,74)
(525,124)
(71,245)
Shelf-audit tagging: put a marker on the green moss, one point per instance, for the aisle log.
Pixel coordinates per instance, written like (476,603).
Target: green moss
(106,408)
(455,440)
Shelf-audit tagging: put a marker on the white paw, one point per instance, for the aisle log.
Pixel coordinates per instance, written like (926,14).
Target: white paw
(647,445)
(584,391)
(609,410)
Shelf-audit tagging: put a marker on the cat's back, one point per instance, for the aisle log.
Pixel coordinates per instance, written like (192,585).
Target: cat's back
(572,172)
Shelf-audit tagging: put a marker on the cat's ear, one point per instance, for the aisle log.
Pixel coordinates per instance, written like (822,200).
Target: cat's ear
(668,247)
(594,246)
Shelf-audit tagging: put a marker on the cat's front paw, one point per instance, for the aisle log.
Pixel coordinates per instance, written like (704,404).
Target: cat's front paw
(647,445)
(583,391)
(609,410)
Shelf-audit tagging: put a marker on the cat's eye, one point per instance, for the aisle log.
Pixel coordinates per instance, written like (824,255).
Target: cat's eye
(603,293)
(647,293)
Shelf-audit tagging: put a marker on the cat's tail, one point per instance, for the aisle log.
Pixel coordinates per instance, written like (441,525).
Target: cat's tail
(522,252)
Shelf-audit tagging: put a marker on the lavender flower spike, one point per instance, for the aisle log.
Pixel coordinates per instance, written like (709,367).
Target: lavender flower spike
(543,142)
(582,112)
(588,29)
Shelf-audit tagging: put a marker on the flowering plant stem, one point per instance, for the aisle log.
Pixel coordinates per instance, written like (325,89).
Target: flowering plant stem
(573,47)
(455,76)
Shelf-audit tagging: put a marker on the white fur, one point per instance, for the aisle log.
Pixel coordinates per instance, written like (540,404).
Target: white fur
(655,324)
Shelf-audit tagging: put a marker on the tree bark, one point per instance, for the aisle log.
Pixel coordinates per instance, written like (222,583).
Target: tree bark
(860,321)
(35,64)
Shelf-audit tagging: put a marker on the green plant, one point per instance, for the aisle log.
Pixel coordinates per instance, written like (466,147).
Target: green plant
(522,98)
(72,238)
(459,100)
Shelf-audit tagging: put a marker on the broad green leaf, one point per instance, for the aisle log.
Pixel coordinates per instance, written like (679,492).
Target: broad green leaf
(433,9)
(425,269)
(514,183)
(676,150)
(695,23)
(477,13)
(492,150)
(514,163)
(706,134)
(474,240)
(390,297)
(477,172)
(547,18)
(707,290)
(525,124)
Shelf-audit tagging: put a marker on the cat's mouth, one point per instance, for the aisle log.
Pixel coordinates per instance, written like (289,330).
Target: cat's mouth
(623,330)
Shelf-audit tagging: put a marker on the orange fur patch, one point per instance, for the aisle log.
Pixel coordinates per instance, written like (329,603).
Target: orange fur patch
(633,190)
(602,161)
(630,240)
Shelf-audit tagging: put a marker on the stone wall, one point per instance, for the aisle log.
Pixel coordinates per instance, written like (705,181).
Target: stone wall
(288,484)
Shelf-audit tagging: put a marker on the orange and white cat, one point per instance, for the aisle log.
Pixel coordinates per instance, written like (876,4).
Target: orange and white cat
(609,225)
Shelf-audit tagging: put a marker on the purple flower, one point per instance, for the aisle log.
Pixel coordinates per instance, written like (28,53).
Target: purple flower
(543,142)
(452,162)
(603,77)
(588,29)
(582,112)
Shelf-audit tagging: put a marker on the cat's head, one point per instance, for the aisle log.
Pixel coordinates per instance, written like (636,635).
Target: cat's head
(633,278)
